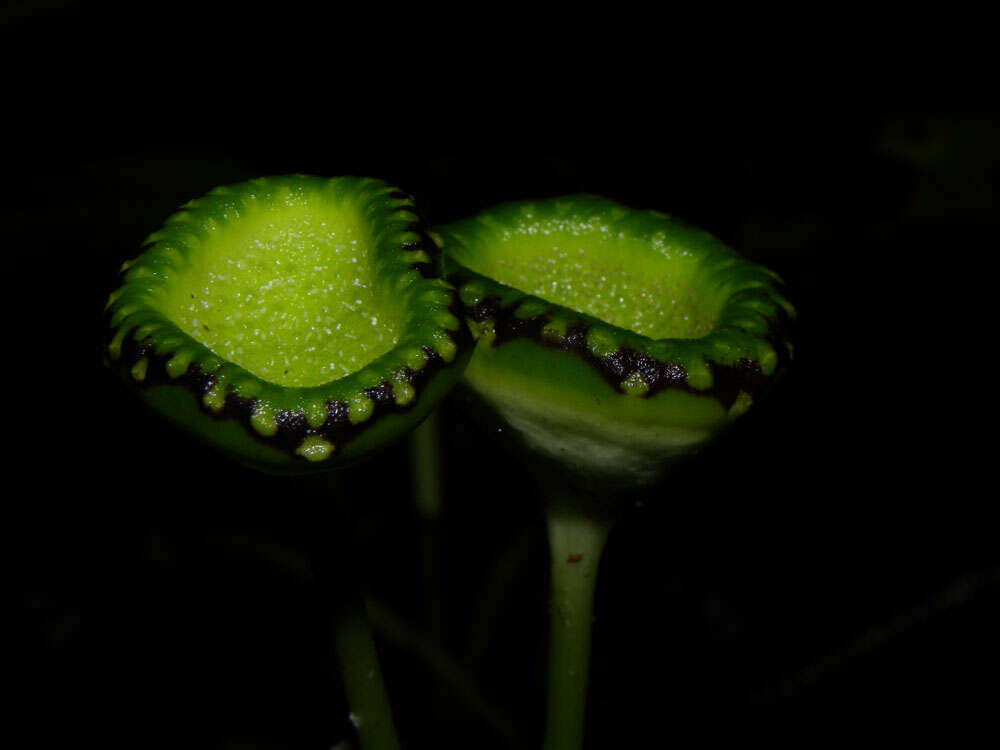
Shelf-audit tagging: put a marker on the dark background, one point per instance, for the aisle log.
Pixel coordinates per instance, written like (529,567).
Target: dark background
(827,571)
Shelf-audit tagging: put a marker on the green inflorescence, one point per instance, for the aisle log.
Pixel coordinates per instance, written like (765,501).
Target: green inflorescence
(610,338)
(305,299)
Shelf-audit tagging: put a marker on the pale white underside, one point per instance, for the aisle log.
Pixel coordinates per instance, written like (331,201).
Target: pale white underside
(642,452)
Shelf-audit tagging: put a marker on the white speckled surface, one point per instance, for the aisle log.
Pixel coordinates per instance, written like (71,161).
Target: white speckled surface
(287,297)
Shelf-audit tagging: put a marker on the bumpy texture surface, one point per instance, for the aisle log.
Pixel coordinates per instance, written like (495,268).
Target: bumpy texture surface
(287,293)
(595,264)
(610,338)
(291,321)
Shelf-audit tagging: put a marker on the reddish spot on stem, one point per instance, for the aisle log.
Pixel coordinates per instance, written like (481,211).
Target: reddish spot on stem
(575,557)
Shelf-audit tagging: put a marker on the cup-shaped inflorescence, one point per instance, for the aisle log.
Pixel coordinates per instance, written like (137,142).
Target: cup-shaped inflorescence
(296,323)
(610,339)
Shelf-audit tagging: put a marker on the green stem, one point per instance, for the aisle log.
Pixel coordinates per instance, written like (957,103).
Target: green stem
(425,456)
(362,677)
(425,459)
(575,544)
(338,565)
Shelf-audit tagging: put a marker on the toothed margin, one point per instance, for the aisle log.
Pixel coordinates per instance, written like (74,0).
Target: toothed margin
(748,346)
(308,423)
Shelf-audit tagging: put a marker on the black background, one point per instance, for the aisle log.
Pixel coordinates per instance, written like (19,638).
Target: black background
(830,564)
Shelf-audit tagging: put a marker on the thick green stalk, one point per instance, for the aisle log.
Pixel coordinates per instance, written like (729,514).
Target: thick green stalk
(575,543)
(362,677)
(339,561)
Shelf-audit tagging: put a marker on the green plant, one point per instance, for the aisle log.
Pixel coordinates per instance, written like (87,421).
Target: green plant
(611,342)
(299,324)
(296,324)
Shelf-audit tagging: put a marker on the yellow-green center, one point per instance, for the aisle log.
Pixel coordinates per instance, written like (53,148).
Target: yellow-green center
(286,294)
(609,277)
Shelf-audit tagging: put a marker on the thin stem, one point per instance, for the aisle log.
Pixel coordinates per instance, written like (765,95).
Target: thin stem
(425,456)
(575,543)
(338,563)
(362,677)
(957,593)
(504,573)
(425,459)
(396,631)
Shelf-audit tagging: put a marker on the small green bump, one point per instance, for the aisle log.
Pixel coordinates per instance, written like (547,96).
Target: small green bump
(248,388)
(120,314)
(555,330)
(369,377)
(723,350)
(448,321)
(178,364)
(359,409)
(768,359)
(755,325)
(144,331)
(773,275)
(402,392)
(482,331)
(786,305)
(174,255)
(634,385)
(699,375)
(438,296)
(406,238)
(215,398)
(315,412)
(264,422)
(115,346)
(416,256)
(139,370)
(741,405)
(210,364)
(167,345)
(531,308)
(444,346)
(601,342)
(415,358)
(760,306)
(471,293)
(315,448)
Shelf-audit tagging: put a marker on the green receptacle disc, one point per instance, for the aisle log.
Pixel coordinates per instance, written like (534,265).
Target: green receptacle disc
(612,339)
(295,322)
